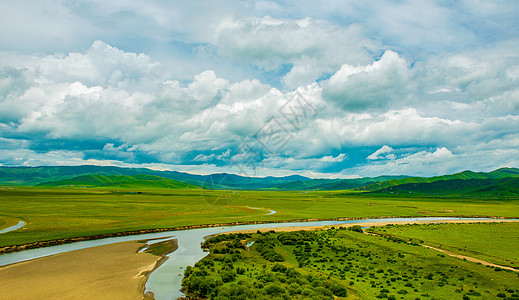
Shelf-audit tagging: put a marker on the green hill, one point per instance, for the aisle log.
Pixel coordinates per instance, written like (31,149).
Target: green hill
(31,176)
(333,184)
(123,181)
(465,175)
(133,177)
(508,187)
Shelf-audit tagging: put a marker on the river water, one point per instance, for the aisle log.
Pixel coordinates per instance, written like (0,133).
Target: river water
(165,281)
(14,227)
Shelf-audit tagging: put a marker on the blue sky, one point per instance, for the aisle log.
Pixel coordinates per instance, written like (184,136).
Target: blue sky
(319,88)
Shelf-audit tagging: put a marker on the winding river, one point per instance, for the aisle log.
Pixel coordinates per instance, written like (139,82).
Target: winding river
(165,281)
(14,227)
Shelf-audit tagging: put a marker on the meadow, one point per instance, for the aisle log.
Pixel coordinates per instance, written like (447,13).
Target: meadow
(339,263)
(65,212)
(493,242)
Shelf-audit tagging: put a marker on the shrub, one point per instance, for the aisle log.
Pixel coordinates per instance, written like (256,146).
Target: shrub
(292,273)
(294,289)
(356,228)
(279,268)
(274,289)
(227,275)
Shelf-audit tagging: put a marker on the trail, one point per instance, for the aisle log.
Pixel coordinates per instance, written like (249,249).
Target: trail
(469,258)
(472,259)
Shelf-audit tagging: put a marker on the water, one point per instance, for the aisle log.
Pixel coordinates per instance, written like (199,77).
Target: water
(165,281)
(14,227)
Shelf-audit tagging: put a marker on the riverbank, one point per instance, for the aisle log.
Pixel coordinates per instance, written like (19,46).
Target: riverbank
(54,242)
(164,285)
(368,224)
(115,271)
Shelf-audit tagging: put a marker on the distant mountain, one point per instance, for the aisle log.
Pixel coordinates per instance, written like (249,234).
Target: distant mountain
(31,176)
(122,181)
(333,184)
(465,175)
(461,183)
(242,182)
(37,175)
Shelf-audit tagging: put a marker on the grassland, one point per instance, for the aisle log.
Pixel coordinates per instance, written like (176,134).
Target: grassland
(7,222)
(339,264)
(53,213)
(493,242)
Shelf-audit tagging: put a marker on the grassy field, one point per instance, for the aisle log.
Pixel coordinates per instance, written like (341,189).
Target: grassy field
(53,213)
(493,242)
(339,264)
(7,222)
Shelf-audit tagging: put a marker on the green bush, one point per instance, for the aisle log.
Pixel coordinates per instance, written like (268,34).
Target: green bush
(274,289)
(227,275)
(356,228)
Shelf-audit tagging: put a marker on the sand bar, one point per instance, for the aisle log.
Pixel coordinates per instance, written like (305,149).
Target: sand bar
(114,271)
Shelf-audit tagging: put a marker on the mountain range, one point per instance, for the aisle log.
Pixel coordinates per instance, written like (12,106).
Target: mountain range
(501,182)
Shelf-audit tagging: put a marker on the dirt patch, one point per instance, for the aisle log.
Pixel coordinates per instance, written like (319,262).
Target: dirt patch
(113,271)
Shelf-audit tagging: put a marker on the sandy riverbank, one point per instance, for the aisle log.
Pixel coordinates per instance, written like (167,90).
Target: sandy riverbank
(113,271)
(369,224)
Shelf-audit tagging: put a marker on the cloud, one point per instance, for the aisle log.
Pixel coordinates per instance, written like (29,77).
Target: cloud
(121,106)
(441,161)
(341,157)
(379,153)
(171,85)
(369,87)
(311,47)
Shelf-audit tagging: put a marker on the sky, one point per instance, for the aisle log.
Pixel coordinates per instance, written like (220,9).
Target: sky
(333,89)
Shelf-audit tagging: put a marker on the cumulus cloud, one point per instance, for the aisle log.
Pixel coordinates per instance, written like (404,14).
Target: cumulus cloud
(374,86)
(379,154)
(166,89)
(441,159)
(120,106)
(311,47)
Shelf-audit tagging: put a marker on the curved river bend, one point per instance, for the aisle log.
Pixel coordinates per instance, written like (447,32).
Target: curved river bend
(14,227)
(165,281)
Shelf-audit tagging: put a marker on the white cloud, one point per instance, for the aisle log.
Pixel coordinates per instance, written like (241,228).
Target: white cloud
(339,158)
(379,153)
(445,97)
(369,87)
(311,46)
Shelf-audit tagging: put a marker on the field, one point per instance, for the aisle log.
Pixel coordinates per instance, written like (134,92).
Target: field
(340,263)
(7,222)
(53,213)
(493,242)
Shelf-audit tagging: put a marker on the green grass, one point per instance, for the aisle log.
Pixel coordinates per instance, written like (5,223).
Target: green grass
(121,181)
(7,222)
(53,213)
(162,248)
(493,242)
(315,264)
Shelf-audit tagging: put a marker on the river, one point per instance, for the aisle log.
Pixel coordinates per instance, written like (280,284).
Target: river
(14,227)
(165,281)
